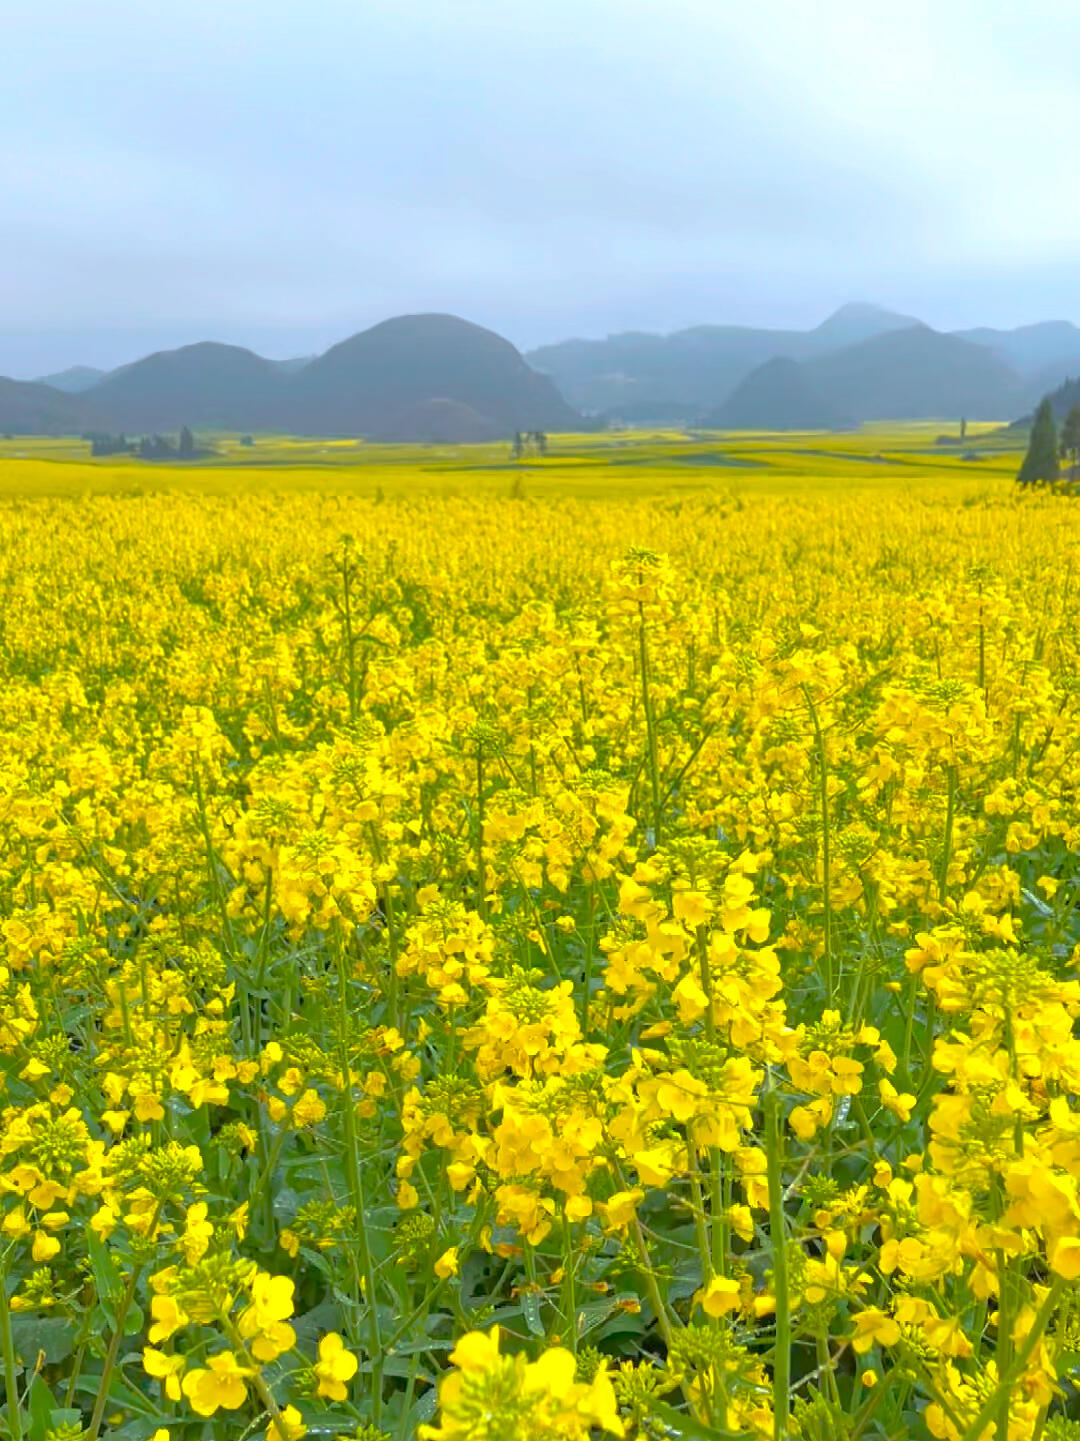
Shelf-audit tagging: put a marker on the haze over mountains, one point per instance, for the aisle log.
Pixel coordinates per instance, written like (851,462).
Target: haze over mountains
(433,375)
(862,363)
(439,378)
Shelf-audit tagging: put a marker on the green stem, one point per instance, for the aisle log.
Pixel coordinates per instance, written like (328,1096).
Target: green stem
(387,899)
(481,877)
(589,948)
(866,1415)
(826,848)
(705,973)
(697,1200)
(14,1413)
(982,648)
(663,1319)
(266,1396)
(102,1400)
(1004,1350)
(350,639)
(717,1213)
(569,1287)
(1005,1383)
(650,726)
(356,1192)
(946,848)
(778,1237)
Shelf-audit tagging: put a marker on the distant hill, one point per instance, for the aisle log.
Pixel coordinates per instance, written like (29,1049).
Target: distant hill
(1044,354)
(778,395)
(376,376)
(905,374)
(1063,398)
(909,370)
(416,377)
(915,373)
(696,367)
(693,367)
(75,379)
(220,387)
(28,408)
(441,421)
(854,323)
(432,376)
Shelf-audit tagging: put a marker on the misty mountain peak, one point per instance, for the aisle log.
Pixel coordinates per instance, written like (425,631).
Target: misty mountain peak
(859,320)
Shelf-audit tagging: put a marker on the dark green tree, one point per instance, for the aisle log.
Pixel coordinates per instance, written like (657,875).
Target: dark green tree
(1070,440)
(187,444)
(1041,461)
(156,447)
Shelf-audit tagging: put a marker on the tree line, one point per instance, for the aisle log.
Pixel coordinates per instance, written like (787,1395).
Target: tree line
(149,447)
(1048,450)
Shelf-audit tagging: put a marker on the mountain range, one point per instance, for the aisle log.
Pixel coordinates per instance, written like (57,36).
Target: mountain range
(439,378)
(862,363)
(428,376)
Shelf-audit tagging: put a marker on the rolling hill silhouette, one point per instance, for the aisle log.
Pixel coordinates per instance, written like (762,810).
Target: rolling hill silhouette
(372,378)
(437,377)
(913,373)
(897,375)
(30,408)
(417,376)
(778,395)
(74,380)
(700,366)
(220,387)
(862,362)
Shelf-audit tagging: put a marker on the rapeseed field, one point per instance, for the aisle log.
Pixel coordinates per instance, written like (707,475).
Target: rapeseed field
(501,952)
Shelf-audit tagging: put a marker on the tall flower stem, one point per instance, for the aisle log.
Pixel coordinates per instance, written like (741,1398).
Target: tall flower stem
(650,726)
(356,1192)
(946,848)
(778,1237)
(481,876)
(1006,1383)
(826,848)
(102,1400)
(14,1413)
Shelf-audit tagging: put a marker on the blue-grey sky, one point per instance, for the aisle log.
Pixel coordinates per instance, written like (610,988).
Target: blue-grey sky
(280,173)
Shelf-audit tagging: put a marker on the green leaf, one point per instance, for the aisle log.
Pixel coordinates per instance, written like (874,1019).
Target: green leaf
(41,1404)
(65,1416)
(685,1426)
(417,1348)
(316,1322)
(323,1423)
(133,1321)
(142,1428)
(34,1336)
(107,1278)
(424,1409)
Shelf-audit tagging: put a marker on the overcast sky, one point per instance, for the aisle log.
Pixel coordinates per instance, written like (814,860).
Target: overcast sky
(280,173)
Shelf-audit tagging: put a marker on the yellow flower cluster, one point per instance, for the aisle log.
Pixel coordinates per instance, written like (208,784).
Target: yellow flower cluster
(477,969)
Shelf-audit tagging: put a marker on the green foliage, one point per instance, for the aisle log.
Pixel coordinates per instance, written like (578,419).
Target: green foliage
(1070,437)
(1041,461)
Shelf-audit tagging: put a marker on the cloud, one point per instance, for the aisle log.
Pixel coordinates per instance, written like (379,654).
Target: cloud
(280,171)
